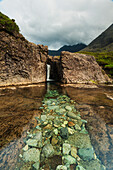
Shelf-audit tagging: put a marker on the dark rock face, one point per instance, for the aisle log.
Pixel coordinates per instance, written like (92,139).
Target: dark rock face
(21,62)
(56,70)
(81,68)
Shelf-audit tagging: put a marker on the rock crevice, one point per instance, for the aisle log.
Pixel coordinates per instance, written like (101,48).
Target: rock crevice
(71,68)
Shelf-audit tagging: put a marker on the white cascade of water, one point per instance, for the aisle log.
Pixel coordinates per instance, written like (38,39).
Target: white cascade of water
(48,72)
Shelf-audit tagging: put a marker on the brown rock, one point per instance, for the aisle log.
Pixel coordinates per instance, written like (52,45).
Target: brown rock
(48,126)
(71,124)
(81,68)
(21,62)
(54,140)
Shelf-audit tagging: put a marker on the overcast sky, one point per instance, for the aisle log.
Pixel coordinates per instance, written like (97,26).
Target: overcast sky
(60,22)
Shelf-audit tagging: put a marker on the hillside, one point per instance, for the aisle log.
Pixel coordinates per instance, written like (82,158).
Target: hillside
(102,49)
(73,48)
(8,25)
(104,42)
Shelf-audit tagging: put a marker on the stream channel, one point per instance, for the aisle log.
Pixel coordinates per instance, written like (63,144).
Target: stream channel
(44,113)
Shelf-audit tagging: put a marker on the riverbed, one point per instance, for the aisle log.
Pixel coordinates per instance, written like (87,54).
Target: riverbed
(19,107)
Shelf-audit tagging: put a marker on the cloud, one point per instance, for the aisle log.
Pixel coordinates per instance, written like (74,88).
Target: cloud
(58,22)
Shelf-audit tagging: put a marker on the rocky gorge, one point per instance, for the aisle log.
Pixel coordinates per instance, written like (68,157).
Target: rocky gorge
(69,127)
(23,62)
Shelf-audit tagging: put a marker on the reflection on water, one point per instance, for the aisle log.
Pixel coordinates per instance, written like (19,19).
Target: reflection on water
(20,106)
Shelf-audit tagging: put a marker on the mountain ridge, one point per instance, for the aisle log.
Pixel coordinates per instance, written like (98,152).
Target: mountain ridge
(70,48)
(104,42)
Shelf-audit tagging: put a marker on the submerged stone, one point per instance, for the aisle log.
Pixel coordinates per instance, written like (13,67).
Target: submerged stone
(43,117)
(74,152)
(86,153)
(48,150)
(36,165)
(79,168)
(38,136)
(25,148)
(32,142)
(77,127)
(92,165)
(64,133)
(72,115)
(71,131)
(80,140)
(68,108)
(66,148)
(68,159)
(61,167)
(32,154)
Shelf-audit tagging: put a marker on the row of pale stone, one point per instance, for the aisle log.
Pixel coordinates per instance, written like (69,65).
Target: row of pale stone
(73,139)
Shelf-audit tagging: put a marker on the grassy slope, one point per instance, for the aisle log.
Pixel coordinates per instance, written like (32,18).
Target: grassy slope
(104,59)
(7,24)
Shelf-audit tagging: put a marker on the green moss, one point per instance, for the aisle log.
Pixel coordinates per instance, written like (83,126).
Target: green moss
(7,24)
(104,59)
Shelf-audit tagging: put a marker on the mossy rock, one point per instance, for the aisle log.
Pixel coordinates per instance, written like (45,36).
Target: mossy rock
(8,24)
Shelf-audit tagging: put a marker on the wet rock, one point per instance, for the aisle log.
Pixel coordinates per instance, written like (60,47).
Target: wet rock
(86,153)
(71,124)
(61,167)
(74,69)
(92,165)
(66,148)
(80,140)
(64,133)
(55,131)
(36,166)
(77,127)
(25,148)
(32,154)
(20,155)
(84,131)
(74,152)
(71,131)
(32,142)
(79,168)
(48,150)
(49,126)
(54,140)
(61,111)
(38,127)
(53,107)
(72,115)
(68,159)
(68,108)
(65,122)
(38,136)
(43,117)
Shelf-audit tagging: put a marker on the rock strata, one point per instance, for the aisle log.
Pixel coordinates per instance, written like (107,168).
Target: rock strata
(21,62)
(81,68)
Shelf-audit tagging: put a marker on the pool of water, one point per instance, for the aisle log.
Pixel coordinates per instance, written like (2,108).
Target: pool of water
(20,105)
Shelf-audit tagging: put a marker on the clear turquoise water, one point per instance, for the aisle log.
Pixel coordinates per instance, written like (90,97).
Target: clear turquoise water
(20,105)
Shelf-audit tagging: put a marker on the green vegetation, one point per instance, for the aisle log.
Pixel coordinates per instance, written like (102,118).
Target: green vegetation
(7,24)
(104,59)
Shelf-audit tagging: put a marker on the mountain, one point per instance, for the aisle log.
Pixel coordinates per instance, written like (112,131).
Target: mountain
(104,42)
(102,49)
(73,48)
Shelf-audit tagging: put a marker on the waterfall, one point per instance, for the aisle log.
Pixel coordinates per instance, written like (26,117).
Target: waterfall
(48,72)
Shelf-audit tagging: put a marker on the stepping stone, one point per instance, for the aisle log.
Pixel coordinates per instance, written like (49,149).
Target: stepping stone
(32,154)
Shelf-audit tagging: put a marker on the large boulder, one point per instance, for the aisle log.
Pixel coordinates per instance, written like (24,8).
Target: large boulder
(81,68)
(21,62)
